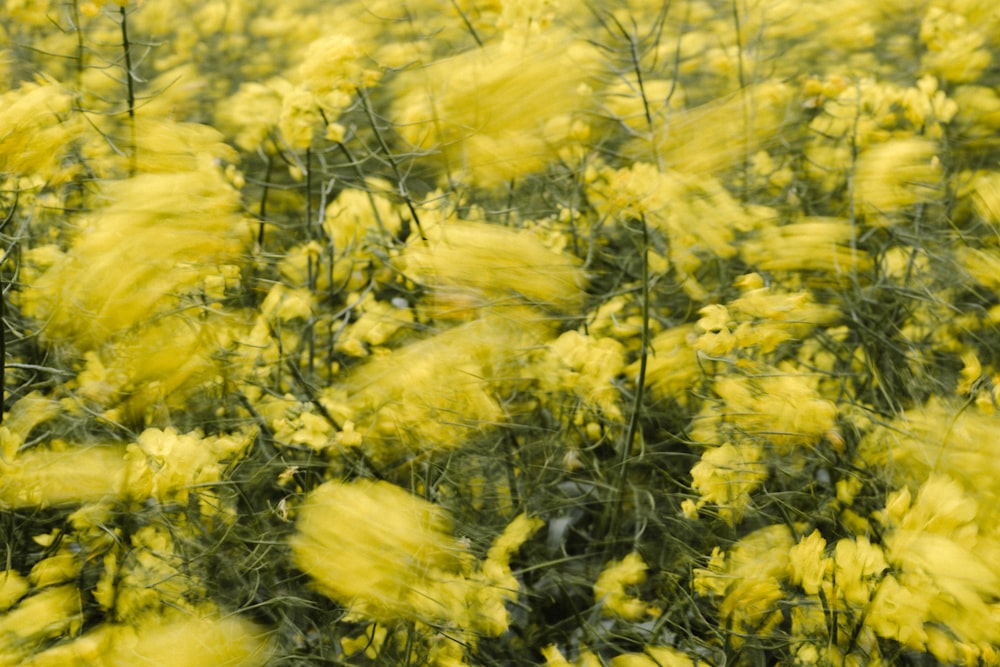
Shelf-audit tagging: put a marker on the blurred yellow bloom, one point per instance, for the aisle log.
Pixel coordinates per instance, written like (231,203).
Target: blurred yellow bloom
(727,475)
(433,394)
(783,407)
(610,589)
(27,413)
(33,134)
(193,641)
(956,49)
(858,567)
(61,474)
(165,465)
(670,202)
(389,556)
(134,258)
(39,618)
(682,143)
(808,565)
(250,114)
(554,658)
(587,366)
(13,587)
(484,112)
(748,580)
(656,656)
(895,175)
(493,267)
(810,244)
(672,369)
(300,118)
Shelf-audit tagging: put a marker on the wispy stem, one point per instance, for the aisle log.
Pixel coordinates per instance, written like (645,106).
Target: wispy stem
(130,88)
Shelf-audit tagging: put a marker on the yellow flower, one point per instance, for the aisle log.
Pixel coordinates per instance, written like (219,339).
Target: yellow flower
(893,176)
(808,566)
(610,588)
(727,475)
(299,119)
(194,641)
(32,135)
(480,110)
(493,266)
(748,579)
(859,565)
(381,552)
(38,618)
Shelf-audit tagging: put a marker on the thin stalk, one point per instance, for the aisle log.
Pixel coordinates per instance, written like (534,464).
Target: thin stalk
(400,181)
(632,429)
(130,88)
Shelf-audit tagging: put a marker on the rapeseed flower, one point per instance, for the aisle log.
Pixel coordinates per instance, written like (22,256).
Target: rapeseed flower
(194,641)
(485,114)
(435,394)
(726,476)
(893,176)
(747,580)
(489,266)
(137,255)
(406,566)
(611,590)
(34,132)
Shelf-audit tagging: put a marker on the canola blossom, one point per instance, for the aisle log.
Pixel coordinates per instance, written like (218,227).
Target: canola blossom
(499,332)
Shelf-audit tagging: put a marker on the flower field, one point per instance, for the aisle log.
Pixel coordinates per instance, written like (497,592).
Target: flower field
(500,332)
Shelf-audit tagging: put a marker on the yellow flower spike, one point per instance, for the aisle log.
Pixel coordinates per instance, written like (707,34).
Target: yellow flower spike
(13,587)
(554,657)
(893,176)
(479,111)
(498,585)
(395,568)
(33,137)
(492,267)
(207,640)
(62,475)
(858,567)
(37,619)
(808,565)
(610,588)
(727,475)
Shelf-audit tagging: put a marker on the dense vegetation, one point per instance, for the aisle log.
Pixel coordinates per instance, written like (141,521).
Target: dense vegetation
(490,332)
